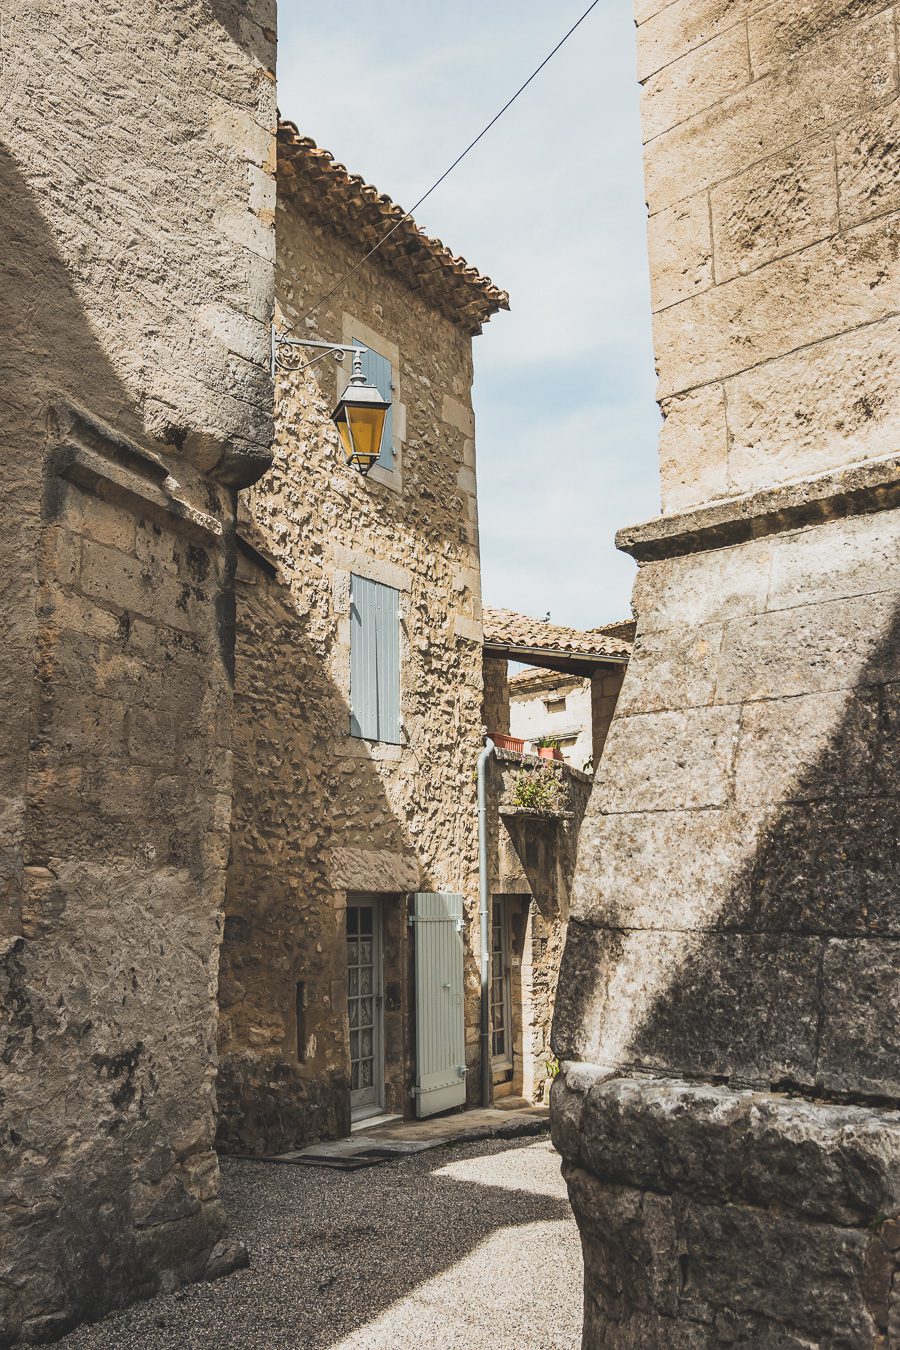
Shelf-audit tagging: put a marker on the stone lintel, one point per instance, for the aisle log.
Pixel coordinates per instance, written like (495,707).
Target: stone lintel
(856,490)
(372,870)
(823,1162)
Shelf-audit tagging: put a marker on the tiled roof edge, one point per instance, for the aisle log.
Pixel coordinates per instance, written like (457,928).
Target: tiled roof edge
(358,210)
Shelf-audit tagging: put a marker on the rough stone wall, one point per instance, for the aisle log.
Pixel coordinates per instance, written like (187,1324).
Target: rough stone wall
(532,856)
(605,688)
(136,182)
(320,814)
(728,1000)
(496,712)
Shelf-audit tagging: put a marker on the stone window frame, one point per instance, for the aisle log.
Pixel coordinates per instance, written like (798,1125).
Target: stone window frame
(354,328)
(344,563)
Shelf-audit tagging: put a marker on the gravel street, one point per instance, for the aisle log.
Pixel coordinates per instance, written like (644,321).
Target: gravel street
(471,1246)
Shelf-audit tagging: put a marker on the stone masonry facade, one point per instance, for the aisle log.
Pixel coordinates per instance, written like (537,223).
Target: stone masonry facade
(137,203)
(321,816)
(728,1005)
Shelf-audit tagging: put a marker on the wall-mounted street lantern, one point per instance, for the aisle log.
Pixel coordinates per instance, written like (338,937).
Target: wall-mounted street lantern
(361,409)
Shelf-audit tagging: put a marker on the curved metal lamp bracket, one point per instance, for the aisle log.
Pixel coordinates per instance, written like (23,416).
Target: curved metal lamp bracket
(287,352)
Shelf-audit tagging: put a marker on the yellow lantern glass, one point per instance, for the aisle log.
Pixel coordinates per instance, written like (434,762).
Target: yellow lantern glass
(359,417)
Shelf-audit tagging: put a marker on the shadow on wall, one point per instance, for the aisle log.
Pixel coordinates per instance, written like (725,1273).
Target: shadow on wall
(788,978)
(284,1076)
(254,34)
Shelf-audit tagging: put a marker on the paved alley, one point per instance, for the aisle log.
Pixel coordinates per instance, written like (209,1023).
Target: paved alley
(472,1246)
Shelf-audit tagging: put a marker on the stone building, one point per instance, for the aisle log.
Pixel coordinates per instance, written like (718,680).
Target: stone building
(535,809)
(548,704)
(136,298)
(593,659)
(358,693)
(728,1010)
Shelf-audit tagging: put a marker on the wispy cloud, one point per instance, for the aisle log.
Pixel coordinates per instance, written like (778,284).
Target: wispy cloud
(550,205)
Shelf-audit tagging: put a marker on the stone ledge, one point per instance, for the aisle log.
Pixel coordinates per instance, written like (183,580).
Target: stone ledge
(107,479)
(857,490)
(826,1163)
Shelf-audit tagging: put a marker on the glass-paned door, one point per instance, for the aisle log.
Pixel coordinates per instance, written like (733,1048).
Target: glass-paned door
(501,1019)
(364,1004)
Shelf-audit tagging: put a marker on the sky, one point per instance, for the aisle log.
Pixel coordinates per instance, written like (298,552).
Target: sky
(550,205)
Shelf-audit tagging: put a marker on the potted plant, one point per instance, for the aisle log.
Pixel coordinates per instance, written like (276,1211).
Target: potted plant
(548,747)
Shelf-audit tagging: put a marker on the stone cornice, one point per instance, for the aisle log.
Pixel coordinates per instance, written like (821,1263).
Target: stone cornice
(856,490)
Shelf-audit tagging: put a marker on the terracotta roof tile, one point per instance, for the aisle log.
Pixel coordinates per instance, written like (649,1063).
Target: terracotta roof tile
(505,628)
(359,211)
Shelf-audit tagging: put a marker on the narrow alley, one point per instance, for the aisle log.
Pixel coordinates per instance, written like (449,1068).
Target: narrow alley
(427,1250)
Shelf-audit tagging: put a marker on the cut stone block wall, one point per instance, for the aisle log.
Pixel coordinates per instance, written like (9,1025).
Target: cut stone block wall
(728,998)
(136,176)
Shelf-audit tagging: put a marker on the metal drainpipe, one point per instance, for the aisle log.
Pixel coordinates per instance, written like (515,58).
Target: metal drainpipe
(484,915)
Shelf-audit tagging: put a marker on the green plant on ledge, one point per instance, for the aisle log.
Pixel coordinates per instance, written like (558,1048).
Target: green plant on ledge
(538,789)
(548,742)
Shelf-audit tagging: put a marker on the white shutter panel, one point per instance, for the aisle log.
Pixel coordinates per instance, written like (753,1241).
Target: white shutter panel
(387,662)
(440,1028)
(374,661)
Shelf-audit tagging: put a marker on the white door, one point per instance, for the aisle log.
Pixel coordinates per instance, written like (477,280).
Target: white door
(440,1028)
(364,1005)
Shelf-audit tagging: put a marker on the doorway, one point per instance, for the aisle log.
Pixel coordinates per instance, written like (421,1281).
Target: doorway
(365,1006)
(501,997)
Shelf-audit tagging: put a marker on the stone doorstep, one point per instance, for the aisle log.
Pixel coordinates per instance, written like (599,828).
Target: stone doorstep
(384,1142)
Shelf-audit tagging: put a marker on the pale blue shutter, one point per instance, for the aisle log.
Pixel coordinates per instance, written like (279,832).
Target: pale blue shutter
(440,1026)
(377,370)
(374,661)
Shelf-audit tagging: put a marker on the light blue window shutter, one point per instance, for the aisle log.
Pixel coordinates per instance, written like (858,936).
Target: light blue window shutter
(374,661)
(440,1026)
(377,370)
(387,660)
(363,684)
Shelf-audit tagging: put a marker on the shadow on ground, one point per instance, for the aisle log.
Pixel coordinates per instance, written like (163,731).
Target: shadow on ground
(448,1248)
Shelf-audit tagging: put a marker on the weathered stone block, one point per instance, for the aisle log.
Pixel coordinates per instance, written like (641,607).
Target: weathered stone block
(860,1044)
(826,1163)
(680,245)
(700,79)
(779,32)
(829,867)
(835,285)
(837,560)
(811,410)
(675,668)
(667,869)
(668,756)
(777,207)
(693,447)
(835,645)
(806,748)
(732,1005)
(702,589)
(836,80)
(768,1272)
(867,165)
(666,32)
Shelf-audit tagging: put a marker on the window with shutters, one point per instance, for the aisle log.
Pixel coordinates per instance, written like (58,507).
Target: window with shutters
(374,661)
(377,370)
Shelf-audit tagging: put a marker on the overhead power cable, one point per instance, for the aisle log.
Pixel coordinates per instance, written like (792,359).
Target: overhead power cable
(436,184)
